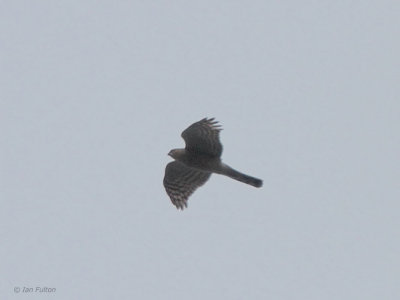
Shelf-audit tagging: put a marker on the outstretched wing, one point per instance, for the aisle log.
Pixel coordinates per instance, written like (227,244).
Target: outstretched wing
(181,181)
(203,137)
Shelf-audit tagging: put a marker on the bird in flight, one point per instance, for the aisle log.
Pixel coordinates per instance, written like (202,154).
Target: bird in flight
(193,165)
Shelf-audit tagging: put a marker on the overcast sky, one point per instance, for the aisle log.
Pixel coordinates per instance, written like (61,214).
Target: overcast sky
(93,96)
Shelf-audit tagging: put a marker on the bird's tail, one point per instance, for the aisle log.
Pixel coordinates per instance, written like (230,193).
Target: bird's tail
(232,173)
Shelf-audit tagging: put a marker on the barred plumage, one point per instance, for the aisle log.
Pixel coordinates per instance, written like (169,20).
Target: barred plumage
(195,164)
(181,181)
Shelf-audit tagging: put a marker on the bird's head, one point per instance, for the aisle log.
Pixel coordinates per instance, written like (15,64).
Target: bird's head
(177,153)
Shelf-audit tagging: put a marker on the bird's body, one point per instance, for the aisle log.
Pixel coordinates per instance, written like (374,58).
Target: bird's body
(194,165)
(200,161)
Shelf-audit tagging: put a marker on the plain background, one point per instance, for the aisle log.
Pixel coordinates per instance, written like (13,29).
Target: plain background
(95,93)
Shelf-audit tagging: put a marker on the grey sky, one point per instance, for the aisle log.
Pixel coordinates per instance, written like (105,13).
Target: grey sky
(93,96)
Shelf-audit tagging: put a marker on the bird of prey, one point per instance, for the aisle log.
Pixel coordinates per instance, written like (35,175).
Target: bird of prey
(193,165)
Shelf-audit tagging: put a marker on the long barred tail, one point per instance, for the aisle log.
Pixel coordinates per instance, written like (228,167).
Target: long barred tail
(232,173)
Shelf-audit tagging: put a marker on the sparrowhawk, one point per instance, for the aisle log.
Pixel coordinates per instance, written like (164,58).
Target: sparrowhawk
(193,165)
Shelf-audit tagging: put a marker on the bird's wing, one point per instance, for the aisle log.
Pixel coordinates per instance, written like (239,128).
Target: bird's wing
(181,181)
(202,137)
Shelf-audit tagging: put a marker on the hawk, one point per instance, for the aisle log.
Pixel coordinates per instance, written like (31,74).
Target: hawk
(193,165)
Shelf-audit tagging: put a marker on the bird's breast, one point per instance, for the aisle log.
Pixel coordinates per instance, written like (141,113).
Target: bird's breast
(202,162)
